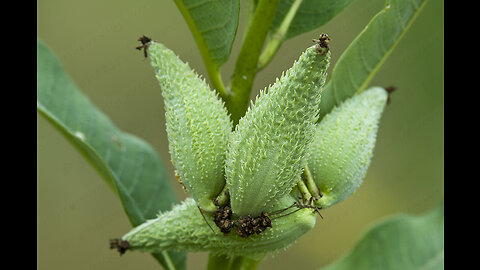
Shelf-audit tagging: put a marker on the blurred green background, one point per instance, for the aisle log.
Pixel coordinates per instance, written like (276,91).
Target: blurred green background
(77,213)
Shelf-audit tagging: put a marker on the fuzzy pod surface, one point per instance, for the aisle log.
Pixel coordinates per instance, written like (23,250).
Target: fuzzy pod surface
(344,144)
(183,228)
(198,125)
(266,152)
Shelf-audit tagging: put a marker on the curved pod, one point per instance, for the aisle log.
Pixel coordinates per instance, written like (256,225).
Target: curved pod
(183,228)
(198,126)
(344,144)
(267,151)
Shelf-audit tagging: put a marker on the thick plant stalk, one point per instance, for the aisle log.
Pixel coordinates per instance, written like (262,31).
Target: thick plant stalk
(278,37)
(266,153)
(223,262)
(198,126)
(343,146)
(247,60)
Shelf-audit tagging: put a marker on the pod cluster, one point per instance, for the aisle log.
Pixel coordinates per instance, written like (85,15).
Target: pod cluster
(259,162)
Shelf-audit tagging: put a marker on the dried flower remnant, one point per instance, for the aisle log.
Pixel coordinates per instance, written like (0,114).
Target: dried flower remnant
(145,43)
(322,43)
(120,245)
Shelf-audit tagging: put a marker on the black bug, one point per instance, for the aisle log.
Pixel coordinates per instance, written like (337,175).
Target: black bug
(301,204)
(145,43)
(322,43)
(222,218)
(248,225)
(120,245)
(245,225)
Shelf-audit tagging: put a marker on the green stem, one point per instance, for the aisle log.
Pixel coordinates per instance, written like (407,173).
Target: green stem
(304,190)
(252,5)
(218,262)
(250,264)
(168,261)
(277,39)
(216,79)
(312,187)
(223,197)
(246,65)
(222,262)
(244,263)
(237,263)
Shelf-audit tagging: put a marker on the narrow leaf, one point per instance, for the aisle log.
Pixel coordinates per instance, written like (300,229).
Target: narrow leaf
(401,242)
(311,14)
(295,17)
(213,24)
(128,164)
(365,55)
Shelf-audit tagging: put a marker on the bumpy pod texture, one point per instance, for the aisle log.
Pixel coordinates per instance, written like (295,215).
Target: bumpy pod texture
(344,144)
(198,125)
(266,153)
(183,228)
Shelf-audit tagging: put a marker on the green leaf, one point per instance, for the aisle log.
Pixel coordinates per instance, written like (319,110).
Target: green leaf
(128,164)
(214,25)
(294,17)
(401,242)
(310,15)
(366,54)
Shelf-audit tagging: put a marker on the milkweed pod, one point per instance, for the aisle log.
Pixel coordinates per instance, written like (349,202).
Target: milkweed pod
(184,229)
(344,144)
(266,152)
(198,126)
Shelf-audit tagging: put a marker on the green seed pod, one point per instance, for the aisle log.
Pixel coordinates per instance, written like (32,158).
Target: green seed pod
(266,152)
(198,126)
(184,229)
(343,146)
